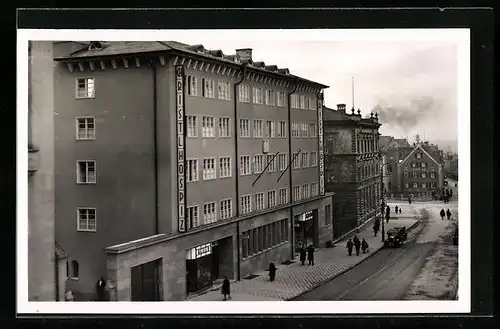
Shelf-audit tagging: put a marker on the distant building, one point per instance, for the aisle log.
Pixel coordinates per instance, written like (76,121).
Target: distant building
(392,150)
(352,166)
(451,165)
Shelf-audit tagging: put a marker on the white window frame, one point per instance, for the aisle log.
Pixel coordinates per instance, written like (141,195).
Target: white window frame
(249,171)
(282,161)
(257,128)
(314,189)
(313,159)
(244,93)
(248,134)
(280,195)
(271,196)
(209,130)
(281,98)
(270,158)
(226,132)
(432,174)
(415,185)
(78,174)
(206,171)
(305,160)
(294,101)
(195,127)
(192,85)
(270,129)
(304,129)
(88,136)
(222,163)
(192,176)
(258,158)
(86,94)
(243,203)
(206,218)
(305,191)
(296,162)
(259,205)
(296,193)
(424,185)
(407,185)
(78,213)
(207,88)
(257,95)
(196,221)
(282,129)
(423,175)
(224,90)
(313,131)
(226,209)
(302,100)
(270,97)
(419,155)
(295,129)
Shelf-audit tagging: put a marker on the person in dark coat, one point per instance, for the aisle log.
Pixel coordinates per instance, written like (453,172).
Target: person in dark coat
(375,228)
(310,254)
(442,214)
(303,255)
(387,216)
(350,244)
(364,246)
(397,209)
(101,289)
(272,271)
(357,245)
(448,214)
(409,200)
(226,291)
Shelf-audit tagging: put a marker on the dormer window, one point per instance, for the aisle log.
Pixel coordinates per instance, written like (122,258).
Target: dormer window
(95,45)
(419,155)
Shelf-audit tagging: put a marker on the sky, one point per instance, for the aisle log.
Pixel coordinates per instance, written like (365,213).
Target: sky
(411,84)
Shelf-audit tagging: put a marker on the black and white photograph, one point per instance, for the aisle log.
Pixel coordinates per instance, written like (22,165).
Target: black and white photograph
(268,171)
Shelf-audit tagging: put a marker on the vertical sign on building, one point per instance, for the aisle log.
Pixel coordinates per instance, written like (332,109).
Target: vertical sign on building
(181,147)
(321,157)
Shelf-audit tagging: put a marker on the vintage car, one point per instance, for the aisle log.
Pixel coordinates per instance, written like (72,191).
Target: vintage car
(396,236)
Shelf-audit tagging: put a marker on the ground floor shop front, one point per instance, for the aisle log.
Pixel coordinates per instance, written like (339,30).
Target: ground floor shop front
(165,267)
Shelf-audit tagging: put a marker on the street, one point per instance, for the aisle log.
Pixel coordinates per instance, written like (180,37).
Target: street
(403,273)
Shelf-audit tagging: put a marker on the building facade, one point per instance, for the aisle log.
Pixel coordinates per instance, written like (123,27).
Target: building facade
(186,166)
(352,163)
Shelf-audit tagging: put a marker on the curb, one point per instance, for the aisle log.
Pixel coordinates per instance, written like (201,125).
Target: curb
(344,271)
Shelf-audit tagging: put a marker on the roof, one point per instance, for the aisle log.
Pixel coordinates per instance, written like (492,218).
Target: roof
(424,151)
(387,142)
(116,48)
(340,117)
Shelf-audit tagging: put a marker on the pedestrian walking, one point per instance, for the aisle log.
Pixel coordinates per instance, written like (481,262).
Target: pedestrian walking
(387,216)
(350,244)
(448,214)
(400,210)
(357,245)
(272,271)
(101,289)
(364,246)
(375,228)
(310,254)
(68,296)
(442,214)
(409,200)
(396,208)
(226,289)
(303,255)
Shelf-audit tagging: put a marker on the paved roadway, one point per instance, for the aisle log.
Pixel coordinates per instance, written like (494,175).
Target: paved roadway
(388,274)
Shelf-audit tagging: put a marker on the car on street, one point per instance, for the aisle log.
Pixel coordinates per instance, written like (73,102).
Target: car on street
(396,236)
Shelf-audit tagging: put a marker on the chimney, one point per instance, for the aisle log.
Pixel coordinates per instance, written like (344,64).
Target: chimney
(245,54)
(341,108)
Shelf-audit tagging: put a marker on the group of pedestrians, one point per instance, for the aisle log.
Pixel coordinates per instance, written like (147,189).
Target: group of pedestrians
(442,213)
(354,242)
(309,251)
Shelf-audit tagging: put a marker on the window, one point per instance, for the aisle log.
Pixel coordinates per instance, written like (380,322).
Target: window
(209,213)
(407,185)
(259,201)
(314,189)
(282,129)
(86,172)
(414,165)
(209,171)
(257,128)
(257,95)
(281,98)
(87,219)
(296,161)
(414,174)
(295,129)
(312,103)
(85,128)
(423,164)
(192,170)
(314,159)
(424,185)
(85,88)
(282,161)
(271,198)
(192,86)
(208,127)
(312,129)
(433,184)
(271,160)
(226,209)
(305,160)
(303,104)
(415,185)
(245,165)
(433,175)
(225,167)
(295,101)
(283,196)
(246,204)
(207,88)
(192,219)
(270,129)
(192,129)
(258,163)
(224,127)
(305,191)
(243,94)
(303,129)
(419,155)
(75,270)
(406,175)
(244,128)
(423,175)
(270,97)
(224,91)
(296,193)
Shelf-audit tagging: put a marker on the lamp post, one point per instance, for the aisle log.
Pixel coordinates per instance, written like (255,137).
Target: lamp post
(383,205)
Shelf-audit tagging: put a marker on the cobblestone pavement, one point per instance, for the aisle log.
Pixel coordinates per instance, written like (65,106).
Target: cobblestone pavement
(294,279)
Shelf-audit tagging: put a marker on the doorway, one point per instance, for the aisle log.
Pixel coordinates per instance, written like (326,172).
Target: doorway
(306,229)
(145,285)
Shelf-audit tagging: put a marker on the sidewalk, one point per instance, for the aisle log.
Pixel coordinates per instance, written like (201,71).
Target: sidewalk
(294,280)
